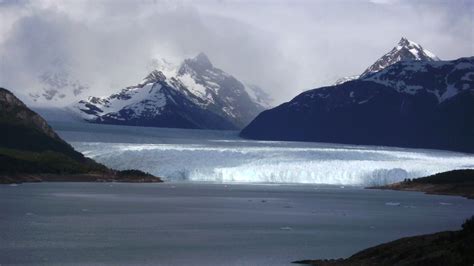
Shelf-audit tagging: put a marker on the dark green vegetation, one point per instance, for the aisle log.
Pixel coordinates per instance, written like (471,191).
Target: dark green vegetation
(19,161)
(456,182)
(444,248)
(455,176)
(30,150)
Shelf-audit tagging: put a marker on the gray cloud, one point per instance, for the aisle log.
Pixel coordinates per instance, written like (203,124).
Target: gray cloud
(284,46)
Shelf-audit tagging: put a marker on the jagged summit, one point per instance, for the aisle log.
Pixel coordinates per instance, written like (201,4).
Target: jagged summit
(201,59)
(405,42)
(418,52)
(405,50)
(154,76)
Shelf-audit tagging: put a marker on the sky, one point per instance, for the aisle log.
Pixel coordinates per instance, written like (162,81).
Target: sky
(285,47)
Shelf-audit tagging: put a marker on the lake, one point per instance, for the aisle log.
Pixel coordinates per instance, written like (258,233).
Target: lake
(188,223)
(227,201)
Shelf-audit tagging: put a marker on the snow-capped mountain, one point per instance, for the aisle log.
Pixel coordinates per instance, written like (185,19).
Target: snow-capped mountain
(222,93)
(424,104)
(156,101)
(194,94)
(405,50)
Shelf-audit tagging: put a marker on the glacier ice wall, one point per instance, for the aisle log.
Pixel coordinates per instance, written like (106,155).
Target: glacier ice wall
(237,160)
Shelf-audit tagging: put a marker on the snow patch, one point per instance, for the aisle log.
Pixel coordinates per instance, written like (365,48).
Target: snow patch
(451,91)
(197,89)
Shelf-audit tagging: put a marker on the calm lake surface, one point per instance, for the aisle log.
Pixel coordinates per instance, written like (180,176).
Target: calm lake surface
(190,223)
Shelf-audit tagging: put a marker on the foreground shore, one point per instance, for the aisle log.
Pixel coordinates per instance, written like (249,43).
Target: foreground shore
(127,176)
(443,248)
(181,223)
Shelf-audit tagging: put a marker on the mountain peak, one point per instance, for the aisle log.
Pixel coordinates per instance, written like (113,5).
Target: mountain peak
(202,59)
(415,50)
(404,42)
(405,50)
(154,76)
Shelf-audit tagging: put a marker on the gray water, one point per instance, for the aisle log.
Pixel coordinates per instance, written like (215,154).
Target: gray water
(209,224)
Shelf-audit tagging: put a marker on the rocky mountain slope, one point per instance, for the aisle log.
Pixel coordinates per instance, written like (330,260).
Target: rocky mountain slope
(422,104)
(30,150)
(23,129)
(194,94)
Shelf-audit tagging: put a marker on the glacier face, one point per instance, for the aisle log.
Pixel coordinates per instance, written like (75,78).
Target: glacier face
(213,156)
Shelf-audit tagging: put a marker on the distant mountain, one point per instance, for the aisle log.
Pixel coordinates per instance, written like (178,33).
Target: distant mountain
(30,150)
(57,86)
(194,94)
(405,50)
(259,96)
(421,104)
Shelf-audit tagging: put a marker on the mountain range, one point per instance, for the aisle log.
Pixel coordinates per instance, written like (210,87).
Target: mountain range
(408,98)
(193,94)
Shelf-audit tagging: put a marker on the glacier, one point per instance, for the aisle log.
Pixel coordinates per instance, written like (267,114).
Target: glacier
(221,156)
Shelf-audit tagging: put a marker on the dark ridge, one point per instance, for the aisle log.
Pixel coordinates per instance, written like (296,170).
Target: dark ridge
(439,249)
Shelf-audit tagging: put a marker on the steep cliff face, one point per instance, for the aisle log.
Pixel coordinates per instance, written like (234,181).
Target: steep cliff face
(13,110)
(23,129)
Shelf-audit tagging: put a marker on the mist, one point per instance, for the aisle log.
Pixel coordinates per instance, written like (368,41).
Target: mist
(285,47)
